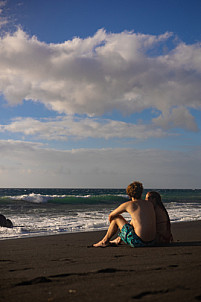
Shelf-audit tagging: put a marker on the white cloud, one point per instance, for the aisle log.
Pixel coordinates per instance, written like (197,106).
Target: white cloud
(102,73)
(178,118)
(64,128)
(31,165)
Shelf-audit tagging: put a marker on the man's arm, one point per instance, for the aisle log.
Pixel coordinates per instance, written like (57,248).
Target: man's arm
(122,208)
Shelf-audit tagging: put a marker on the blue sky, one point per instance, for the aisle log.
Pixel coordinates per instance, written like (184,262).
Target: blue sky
(100,93)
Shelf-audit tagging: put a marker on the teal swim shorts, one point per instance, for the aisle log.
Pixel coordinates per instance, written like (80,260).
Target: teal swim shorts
(128,235)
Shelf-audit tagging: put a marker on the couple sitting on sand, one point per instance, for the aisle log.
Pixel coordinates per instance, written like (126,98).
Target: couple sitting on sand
(149,225)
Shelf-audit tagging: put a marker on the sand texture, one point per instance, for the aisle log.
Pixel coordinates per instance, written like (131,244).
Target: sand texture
(65,268)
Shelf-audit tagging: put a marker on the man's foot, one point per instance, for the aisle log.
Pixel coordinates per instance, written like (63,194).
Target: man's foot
(116,241)
(101,244)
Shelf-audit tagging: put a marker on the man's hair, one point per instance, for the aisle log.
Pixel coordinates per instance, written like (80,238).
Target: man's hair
(135,190)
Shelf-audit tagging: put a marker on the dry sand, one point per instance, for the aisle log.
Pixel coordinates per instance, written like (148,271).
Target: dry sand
(65,268)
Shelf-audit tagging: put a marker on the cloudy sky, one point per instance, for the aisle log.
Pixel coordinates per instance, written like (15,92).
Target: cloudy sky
(100,93)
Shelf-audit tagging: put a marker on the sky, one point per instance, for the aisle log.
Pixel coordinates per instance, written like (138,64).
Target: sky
(100,93)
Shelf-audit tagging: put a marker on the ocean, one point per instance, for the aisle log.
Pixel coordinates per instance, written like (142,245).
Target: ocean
(39,212)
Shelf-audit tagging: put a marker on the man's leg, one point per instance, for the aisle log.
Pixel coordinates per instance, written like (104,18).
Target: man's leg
(116,241)
(116,223)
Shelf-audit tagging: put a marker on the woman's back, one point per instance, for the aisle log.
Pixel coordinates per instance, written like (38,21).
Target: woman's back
(163,227)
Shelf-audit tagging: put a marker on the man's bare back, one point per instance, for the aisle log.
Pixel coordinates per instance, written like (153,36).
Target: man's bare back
(143,217)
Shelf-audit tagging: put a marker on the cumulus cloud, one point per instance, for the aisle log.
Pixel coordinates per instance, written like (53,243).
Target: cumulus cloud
(63,128)
(32,165)
(178,118)
(103,73)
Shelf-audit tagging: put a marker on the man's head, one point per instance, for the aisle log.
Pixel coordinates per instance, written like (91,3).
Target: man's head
(135,190)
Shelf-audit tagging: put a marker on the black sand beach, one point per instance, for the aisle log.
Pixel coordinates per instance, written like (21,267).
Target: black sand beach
(66,268)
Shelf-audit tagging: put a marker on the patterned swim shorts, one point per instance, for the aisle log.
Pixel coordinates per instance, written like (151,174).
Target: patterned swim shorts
(128,235)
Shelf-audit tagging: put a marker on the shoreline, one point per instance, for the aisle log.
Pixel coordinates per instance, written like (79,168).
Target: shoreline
(81,232)
(65,267)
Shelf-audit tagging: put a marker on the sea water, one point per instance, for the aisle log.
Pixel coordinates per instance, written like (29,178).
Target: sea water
(38,212)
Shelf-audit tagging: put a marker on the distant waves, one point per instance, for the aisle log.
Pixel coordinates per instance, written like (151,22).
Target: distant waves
(38,212)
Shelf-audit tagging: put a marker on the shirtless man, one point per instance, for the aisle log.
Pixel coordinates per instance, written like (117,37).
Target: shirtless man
(141,231)
(163,226)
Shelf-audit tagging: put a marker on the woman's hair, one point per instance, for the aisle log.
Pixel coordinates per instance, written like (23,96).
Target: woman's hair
(135,190)
(157,197)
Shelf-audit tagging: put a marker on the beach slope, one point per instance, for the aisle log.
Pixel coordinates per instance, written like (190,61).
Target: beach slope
(66,268)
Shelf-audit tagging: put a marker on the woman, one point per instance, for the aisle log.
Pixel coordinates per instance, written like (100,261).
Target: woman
(163,226)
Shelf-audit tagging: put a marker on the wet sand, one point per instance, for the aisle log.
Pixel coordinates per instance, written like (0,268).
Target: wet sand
(66,268)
